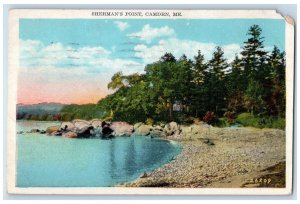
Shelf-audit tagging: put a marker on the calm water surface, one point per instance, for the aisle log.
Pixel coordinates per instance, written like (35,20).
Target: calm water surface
(49,161)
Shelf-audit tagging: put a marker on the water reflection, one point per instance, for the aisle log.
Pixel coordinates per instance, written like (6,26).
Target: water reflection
(45,161)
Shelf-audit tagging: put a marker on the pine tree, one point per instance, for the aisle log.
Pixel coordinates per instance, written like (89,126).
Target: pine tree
(276,94)
(199,89)
(217,91)
(236,86)
(253,54)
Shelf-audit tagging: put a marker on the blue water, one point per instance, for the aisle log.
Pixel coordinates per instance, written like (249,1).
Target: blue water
(50,161)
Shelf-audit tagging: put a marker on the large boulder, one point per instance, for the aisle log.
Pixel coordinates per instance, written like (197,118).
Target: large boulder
(107,131)
(52,129)
(70,134)
(137,125)
(83,128)
(172,128)
(86,131)
(96,123)
(121,128)
(67,126)
(79,124)
(143,130)
(157,131)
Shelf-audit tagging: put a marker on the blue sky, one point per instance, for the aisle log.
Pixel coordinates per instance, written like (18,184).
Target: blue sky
(98,48)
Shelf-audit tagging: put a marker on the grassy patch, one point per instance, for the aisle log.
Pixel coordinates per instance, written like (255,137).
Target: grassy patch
(247,119)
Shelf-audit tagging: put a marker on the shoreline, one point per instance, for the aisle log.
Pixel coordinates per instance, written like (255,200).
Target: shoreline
(237,158)
(214,157)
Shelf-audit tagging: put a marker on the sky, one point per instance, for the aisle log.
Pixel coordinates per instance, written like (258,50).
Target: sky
(71,61)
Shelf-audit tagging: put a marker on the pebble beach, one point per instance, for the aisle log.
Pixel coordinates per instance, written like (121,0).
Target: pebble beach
(214,157)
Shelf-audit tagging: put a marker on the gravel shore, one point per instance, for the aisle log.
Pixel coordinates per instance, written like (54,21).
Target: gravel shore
(223,157)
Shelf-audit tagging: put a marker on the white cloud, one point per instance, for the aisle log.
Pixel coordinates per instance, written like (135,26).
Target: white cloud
(179,47)
(121,25)
(148,33)
(94,59)
(66,65)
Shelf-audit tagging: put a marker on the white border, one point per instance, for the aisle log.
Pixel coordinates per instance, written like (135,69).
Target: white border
(13,63)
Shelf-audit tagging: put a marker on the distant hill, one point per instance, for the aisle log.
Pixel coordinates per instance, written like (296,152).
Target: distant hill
(38,109)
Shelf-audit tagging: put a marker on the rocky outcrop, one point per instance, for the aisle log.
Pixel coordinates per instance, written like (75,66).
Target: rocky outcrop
(137,125)
(96,123)
(162,130)
(52,129)
(67,126)
(106,130)
(70,134)
(98,128)
(80,124)
(121,128)
(86,131)
(157,131)
(143,130)
(172,128)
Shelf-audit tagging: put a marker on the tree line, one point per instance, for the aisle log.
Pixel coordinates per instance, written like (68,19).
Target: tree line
(183,89)
(249,90)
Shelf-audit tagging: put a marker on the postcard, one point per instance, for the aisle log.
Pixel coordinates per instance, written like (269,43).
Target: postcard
(160,102)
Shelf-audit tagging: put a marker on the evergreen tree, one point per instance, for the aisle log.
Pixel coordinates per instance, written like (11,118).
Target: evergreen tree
(276,94)
(236,86)
(199,89)
(253,54)
(217,91)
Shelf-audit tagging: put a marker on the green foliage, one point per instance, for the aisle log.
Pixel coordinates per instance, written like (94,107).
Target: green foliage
(201,88)
(86,111)
(149,121)
(248,119)
(183,89)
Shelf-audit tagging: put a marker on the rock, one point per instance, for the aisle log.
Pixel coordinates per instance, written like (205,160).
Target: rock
(137,125)
(172,129)
(86,131)
(157,131)
(143,130)
(158,128)
(173,126)
(57,133)
(52,129)
(67,126)
(34,131)
(80,124)
(20,132)
(96,123)
(42,132)
(70,134)
(105,124)
(106,131)
(121,128)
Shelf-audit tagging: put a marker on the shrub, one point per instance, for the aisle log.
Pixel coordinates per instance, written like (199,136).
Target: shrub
(149,121)
(247,119)
(230,117)
(210,118)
